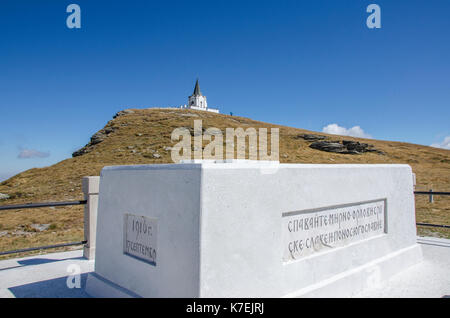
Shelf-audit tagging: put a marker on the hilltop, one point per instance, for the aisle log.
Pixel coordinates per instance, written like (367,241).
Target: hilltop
(143,136)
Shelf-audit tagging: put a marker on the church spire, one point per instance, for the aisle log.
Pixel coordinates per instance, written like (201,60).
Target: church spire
(197,89)
(197,101)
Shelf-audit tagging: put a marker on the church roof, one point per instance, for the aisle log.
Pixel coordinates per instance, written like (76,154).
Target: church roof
(197,89)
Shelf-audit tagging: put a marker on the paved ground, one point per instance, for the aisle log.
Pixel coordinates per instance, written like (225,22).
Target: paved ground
(47,275)
(44,275)
(430,278)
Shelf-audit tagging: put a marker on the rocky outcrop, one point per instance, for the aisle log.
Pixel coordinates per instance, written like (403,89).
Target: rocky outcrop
(346,147)
(97,138)
(4,196)
(123,112)
(81,152)
(311,137)
(101,135)
(328,146)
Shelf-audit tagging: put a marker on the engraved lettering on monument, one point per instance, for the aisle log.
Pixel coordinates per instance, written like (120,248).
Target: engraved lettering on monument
(311,231)
(139,239)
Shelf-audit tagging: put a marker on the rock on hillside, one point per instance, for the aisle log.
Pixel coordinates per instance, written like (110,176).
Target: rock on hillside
(345,147)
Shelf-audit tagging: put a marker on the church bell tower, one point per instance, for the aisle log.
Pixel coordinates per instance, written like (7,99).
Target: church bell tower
(197,100)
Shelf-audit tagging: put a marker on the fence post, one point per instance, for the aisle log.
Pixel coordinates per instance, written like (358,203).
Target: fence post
(90,187)
(431,196)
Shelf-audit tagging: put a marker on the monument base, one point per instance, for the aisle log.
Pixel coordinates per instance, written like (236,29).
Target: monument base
(372,274)
(346,284)
(99,287)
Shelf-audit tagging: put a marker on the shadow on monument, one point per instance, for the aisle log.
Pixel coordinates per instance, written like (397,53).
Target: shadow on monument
(52,288)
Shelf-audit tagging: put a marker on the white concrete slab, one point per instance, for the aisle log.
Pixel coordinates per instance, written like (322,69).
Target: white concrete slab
(43,275)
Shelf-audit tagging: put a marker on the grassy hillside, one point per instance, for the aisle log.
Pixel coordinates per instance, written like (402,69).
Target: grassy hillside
(143,137)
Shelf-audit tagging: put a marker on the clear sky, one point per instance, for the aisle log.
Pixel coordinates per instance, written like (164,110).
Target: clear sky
(306,64)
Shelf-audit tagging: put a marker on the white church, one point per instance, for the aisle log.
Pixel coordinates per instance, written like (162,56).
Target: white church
(197,101)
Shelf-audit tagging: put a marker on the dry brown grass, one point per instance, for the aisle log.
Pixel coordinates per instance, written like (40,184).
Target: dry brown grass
(149,130)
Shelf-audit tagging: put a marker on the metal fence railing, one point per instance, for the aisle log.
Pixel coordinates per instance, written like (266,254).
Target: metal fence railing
(41,205)
(432,193)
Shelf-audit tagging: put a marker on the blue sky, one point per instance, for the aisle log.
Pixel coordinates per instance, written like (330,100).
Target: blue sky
(306,64)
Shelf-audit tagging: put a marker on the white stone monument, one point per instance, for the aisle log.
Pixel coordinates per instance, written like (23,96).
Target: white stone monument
(252,229)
